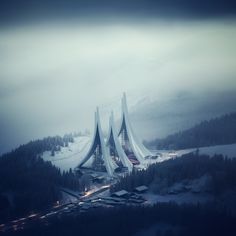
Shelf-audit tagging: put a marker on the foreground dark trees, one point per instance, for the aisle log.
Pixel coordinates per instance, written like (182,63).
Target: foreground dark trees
(222,172)
(178,220)
(28,183)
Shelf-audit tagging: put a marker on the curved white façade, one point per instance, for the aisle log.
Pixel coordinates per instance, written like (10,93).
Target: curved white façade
(113,135)
(140,151)
(98,138)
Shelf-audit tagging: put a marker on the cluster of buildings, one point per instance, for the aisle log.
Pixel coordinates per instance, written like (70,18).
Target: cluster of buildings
(120,151)
(119,198)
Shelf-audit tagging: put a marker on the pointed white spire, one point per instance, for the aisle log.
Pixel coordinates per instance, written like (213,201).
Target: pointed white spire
(114,135)
(138,148)
(98,138)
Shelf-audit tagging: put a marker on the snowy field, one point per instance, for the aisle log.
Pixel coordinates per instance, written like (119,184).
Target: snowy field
(228,150)
(70,157)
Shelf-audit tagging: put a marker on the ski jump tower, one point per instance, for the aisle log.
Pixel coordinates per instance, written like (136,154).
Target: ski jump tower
(130,142)
(115,149)
(98,150)
(111,155)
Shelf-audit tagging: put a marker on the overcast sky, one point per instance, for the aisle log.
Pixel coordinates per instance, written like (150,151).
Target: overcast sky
(54,73)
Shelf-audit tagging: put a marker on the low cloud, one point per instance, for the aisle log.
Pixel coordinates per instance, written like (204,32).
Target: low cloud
(54,75)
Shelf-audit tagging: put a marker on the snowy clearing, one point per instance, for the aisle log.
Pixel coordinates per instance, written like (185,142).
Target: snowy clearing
(69,157)
(228,150)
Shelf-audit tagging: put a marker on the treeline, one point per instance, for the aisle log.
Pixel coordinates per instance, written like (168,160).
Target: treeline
(188,167)
(47,144)
(28,183)
(170,220)
(216,131)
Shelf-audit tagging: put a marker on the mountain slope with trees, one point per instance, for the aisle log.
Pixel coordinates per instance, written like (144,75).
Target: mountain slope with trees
(27,182)
(191,166)
(218,131)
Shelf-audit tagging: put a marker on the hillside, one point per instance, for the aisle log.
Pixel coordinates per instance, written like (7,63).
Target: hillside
(68,156)
(210,218)
(217,131)
(192,172)
(42,166)
(31,183)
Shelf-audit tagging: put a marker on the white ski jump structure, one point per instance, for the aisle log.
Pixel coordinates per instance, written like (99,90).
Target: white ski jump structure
(139,150)
(114,143)
(121,150)
(98,149)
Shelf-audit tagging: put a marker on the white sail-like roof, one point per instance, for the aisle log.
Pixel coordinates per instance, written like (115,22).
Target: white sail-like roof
(138,148)
(113,135)
(98,138)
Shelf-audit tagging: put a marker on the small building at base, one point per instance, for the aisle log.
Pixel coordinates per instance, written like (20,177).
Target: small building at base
(121,193)
(141,189)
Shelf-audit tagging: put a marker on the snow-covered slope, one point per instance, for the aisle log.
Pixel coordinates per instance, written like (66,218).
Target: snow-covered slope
(228,150)
(69,157)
